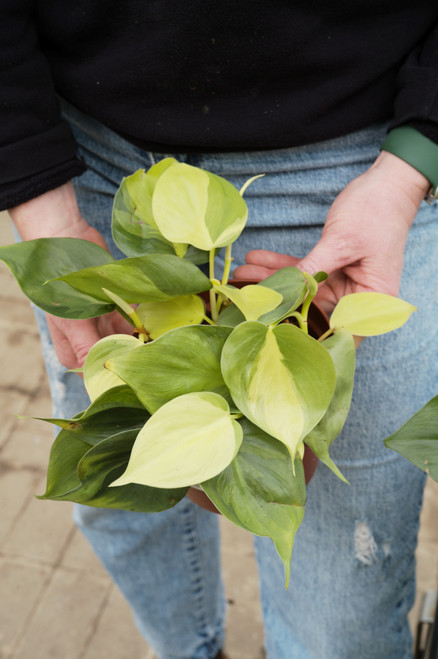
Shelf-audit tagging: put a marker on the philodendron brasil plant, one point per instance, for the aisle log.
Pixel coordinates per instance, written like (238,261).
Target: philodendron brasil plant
(225,394)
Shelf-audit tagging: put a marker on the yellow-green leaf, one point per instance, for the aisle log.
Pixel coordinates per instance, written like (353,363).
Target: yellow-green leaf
(280,378)
(160,317)
(370,314)
(191,205)
(252,300)
(97,378)
(188,440)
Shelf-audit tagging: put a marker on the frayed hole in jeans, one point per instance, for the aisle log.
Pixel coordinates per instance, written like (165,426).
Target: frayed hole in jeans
(365,546)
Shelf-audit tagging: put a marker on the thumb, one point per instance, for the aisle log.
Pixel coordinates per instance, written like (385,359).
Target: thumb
(326,256)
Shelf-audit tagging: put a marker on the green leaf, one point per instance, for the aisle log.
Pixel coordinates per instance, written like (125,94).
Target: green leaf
(97,378)
(114,411)
(252,300)
(101,461)
(417,439)
(34,262)
(99,466)
(160,317)
(93,449)
(137,498)
(280,378)
(196,256)
(188,440)
(369,314)
(183,360)
(320,276)
(196,207)
(133,225)
(62,478)
(342,351)
(149,278)
(259,492)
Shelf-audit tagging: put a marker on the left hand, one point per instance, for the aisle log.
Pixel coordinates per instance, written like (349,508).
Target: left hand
(364,236)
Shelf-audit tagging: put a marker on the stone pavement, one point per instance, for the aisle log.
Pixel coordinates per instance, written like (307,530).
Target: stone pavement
(56,600)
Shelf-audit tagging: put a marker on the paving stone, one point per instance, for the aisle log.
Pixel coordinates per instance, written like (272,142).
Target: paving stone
(9,287)
(15,492)
(6,235)
(20,359)
(43,529)
(21,586)
(116,630)
(12,404)
(28,450)
(65,618)
(244,634)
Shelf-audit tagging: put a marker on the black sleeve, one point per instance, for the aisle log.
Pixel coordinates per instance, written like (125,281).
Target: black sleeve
(37,148)
(416,103)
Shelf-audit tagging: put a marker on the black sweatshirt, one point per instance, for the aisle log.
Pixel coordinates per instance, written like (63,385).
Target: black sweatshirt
(229,75)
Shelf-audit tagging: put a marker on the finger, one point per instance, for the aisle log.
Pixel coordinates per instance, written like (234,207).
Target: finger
(269,259)
(251,272)
(72,339)
(113,323)
(61,344)
(325,256)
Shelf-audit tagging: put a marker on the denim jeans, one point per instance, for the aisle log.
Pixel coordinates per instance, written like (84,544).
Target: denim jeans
(353,566)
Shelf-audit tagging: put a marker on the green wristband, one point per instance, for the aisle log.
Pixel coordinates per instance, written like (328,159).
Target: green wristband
(418,151)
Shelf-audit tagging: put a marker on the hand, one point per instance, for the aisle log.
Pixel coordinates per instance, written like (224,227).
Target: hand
(72,339)
(56,214)
(364,236)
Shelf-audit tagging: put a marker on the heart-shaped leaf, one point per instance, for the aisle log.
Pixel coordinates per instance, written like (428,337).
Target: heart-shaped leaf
(93,449)
(133,224)
(417,439)
(160,317)
(342,351)
(188,440)
(193,206)
(280,378)
(183,360)
(149,278)
(252,300)
(34,262)
(369,314)
(97,378)
(64,484)
(259,492)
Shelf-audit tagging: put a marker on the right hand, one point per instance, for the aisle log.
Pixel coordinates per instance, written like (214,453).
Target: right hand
(56,214)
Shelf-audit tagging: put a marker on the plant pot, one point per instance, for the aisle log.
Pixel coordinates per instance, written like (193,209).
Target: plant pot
(318,324)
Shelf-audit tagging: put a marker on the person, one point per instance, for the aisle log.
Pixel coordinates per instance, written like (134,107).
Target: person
(307,95)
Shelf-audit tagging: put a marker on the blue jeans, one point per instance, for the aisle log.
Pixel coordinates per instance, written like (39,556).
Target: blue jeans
(353,567)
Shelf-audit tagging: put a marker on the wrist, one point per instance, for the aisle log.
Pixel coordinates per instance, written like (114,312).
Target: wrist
(401,178)
(54,213)
(418,151)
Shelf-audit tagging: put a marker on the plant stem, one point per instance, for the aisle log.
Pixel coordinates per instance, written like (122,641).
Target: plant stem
(228,260)
(313,289)
(325,335)
(207,320)
(213,303)
(302,321)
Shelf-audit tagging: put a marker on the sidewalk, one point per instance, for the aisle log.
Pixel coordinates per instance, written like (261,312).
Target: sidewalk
(57,602)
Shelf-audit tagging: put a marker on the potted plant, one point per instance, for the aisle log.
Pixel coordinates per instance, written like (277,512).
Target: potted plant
(223,393)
